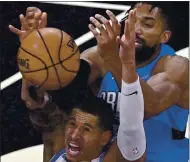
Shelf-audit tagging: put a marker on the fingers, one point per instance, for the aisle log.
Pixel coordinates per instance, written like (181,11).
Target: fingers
(36,21)
(35,18)
(129,30)
(24,24)
(43,22)
(115,24)
(108,29)
(32,9)
(126,29)
(132,21)
(32,19)
(107,24)
(29,15)
(94,32)
(99,26)
(14,30)
(30,103)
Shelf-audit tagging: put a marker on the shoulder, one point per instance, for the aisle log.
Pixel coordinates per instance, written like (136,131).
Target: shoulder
(93,58)
(177,68)
(58,155)
(92,55)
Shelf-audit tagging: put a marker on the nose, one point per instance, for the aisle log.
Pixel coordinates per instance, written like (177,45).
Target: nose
(138,29)
(76,134)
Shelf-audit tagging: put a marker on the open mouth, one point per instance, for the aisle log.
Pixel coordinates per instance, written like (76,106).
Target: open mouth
(73,149)
(138,42)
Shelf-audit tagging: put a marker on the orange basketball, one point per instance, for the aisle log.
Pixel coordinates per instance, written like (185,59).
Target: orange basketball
(48,58)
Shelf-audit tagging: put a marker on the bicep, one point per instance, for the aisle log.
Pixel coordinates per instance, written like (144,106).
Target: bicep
(167,86)
(165,93)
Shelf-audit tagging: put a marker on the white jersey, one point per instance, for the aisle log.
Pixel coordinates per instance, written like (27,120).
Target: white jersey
(60,157)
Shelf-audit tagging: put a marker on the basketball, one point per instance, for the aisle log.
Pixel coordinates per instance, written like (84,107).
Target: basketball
(48,58)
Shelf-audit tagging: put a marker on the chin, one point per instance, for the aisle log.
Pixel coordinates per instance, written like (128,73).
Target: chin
(138,48)
(71,159)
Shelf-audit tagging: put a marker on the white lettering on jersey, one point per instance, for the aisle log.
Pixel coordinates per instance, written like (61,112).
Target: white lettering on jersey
(112,98)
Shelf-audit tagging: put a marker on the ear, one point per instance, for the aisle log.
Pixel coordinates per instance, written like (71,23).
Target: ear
(106,135)
(165,36)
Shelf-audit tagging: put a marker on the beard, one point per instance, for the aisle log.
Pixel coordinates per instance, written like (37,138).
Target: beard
(144,52)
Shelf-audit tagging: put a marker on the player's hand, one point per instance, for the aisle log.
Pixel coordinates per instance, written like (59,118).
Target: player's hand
(33,20)
(127,42)
(30,103)
(106,39)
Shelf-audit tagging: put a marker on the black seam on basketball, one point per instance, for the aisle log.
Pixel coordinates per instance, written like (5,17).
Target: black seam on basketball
(33,56)
(50,57)
(47,68)
(47,73)
(67,59)
(68,69)
(59,56)
(71,55)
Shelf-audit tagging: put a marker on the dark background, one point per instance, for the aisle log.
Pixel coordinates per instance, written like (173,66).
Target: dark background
(16,129)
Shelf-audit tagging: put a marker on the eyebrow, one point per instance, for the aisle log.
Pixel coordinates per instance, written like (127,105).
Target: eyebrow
(149,18)
(88,125)
(72,118)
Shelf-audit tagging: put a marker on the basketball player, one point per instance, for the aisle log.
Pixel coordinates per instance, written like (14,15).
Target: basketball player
(89,130)
(165,94)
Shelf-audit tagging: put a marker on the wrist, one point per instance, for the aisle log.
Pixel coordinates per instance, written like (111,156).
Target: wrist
(129,74)
(47,99)
(128,63)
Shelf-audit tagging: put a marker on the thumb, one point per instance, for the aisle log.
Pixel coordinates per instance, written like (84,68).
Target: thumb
(14,30)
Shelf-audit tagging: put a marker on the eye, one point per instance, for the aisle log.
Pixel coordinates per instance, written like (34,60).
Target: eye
(87,129)
(71,123)
(148,25)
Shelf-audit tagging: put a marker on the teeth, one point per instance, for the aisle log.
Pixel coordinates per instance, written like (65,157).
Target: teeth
(73,145)
(74,153)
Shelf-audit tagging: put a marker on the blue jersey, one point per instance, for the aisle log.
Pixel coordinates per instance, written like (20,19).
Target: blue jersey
(161,147)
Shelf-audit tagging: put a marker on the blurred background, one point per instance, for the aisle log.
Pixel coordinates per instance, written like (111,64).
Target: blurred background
(16,129)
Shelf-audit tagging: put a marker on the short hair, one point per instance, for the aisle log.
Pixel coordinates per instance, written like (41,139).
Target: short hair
(97,107)
(167,12)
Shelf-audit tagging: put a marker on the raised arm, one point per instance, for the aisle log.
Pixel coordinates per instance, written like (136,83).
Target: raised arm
(131,140)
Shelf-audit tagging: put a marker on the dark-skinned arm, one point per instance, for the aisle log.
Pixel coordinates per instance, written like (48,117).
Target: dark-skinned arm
(167,87)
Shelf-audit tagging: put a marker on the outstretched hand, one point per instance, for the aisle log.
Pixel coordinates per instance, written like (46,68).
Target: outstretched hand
(33,20)
(127,42)
(106,44)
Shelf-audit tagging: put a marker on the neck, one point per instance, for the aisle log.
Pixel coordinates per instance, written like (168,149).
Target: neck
(156,53)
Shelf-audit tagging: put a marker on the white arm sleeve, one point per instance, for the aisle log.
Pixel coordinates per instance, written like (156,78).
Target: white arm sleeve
(131,136)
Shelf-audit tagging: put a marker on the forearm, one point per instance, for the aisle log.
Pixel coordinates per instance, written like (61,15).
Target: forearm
(49,121)
(46,119)
(158,96)
(48,147)
(131,136)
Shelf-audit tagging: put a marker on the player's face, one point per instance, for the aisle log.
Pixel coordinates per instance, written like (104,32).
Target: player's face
(150,31)
(83,137)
